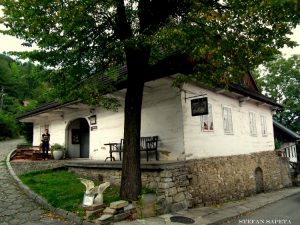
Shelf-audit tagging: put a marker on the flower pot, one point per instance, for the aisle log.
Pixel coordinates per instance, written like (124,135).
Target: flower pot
(58,154)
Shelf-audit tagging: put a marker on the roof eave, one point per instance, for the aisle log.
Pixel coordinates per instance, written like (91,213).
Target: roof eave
(254,95)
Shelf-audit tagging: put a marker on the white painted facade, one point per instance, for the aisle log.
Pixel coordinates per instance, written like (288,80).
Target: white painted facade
(289,150)
(199,143)
(166,113)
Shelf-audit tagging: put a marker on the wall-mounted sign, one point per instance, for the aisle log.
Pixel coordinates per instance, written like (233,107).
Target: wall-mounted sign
(94,128)
(93,119)
(199,106)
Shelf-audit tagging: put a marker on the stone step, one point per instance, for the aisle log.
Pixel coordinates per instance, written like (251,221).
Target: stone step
(118,204)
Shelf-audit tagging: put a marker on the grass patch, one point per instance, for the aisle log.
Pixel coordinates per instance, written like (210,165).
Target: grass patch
(63,189)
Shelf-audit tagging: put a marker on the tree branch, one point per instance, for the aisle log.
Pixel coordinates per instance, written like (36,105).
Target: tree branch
(178,63)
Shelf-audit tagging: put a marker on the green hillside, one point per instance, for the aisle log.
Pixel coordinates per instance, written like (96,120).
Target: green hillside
(22,88)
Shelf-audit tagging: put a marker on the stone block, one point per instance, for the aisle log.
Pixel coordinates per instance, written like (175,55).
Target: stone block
(166,174)
(93,207)
(121,216)
(166,180)
(179,206)
(118,204)
(105,219)
(171,191)
(181,189)
(179,197)
(166,185)
(128,208)
(97,212)
(109,211)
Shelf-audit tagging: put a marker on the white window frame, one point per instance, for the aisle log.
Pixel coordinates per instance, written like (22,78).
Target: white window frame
(207,124)
(264,128)
(227,120)
(252,123)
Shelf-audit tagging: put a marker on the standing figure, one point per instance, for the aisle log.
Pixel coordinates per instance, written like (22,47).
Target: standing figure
(45,144)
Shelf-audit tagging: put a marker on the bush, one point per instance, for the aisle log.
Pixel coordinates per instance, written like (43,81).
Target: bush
(27,131)
(8,127)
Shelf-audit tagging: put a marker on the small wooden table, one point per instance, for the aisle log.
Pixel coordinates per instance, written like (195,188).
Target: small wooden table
(114,147)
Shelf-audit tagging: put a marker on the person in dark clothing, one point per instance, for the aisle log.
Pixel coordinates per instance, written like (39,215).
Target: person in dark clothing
(45,144)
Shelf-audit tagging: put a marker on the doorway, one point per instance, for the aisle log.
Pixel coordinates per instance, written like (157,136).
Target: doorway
(259,180)
(78,138)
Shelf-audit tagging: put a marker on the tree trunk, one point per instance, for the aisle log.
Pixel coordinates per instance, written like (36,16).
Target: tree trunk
(131,183)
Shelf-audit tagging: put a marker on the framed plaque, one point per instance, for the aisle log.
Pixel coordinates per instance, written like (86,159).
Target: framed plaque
(199,106)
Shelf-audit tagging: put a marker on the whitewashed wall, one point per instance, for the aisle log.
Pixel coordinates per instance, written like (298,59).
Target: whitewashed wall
(161,116)
(200,144)
(166,114)
(57,125)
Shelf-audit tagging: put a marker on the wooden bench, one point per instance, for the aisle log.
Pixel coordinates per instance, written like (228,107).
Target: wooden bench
(147,144)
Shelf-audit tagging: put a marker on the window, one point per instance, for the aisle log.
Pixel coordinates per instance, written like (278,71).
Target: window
(227,120)
(252,120)
(263,122)
(207,120)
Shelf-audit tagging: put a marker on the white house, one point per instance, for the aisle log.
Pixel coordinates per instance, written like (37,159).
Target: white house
(225,154)
(239,121)
(287,140)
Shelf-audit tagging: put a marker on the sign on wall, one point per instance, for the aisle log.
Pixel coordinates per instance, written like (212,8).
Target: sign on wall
(199,106)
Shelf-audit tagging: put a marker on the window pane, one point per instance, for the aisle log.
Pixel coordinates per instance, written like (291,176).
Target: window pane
(263,125)
(227,120)
(252,121)
(207,120)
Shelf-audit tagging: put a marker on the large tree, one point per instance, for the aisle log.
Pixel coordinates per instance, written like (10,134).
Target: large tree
(87,42)
(280,80)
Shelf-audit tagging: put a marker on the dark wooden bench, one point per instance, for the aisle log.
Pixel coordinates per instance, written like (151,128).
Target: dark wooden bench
(147,144)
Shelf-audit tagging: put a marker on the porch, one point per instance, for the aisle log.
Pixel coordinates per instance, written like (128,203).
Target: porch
(22,166)
(102,164)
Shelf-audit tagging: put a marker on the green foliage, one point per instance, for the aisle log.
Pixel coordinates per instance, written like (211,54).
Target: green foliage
(147,190)
(20,82)
(8,127)
(280,80)
(55,187)
(278,144)
(26,130)
(111,194)
(81,40)
(57,147)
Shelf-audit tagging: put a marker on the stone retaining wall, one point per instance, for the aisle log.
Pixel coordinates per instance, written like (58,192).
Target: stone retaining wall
(207,181)
(21,167)
(199,181)
(216,180)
